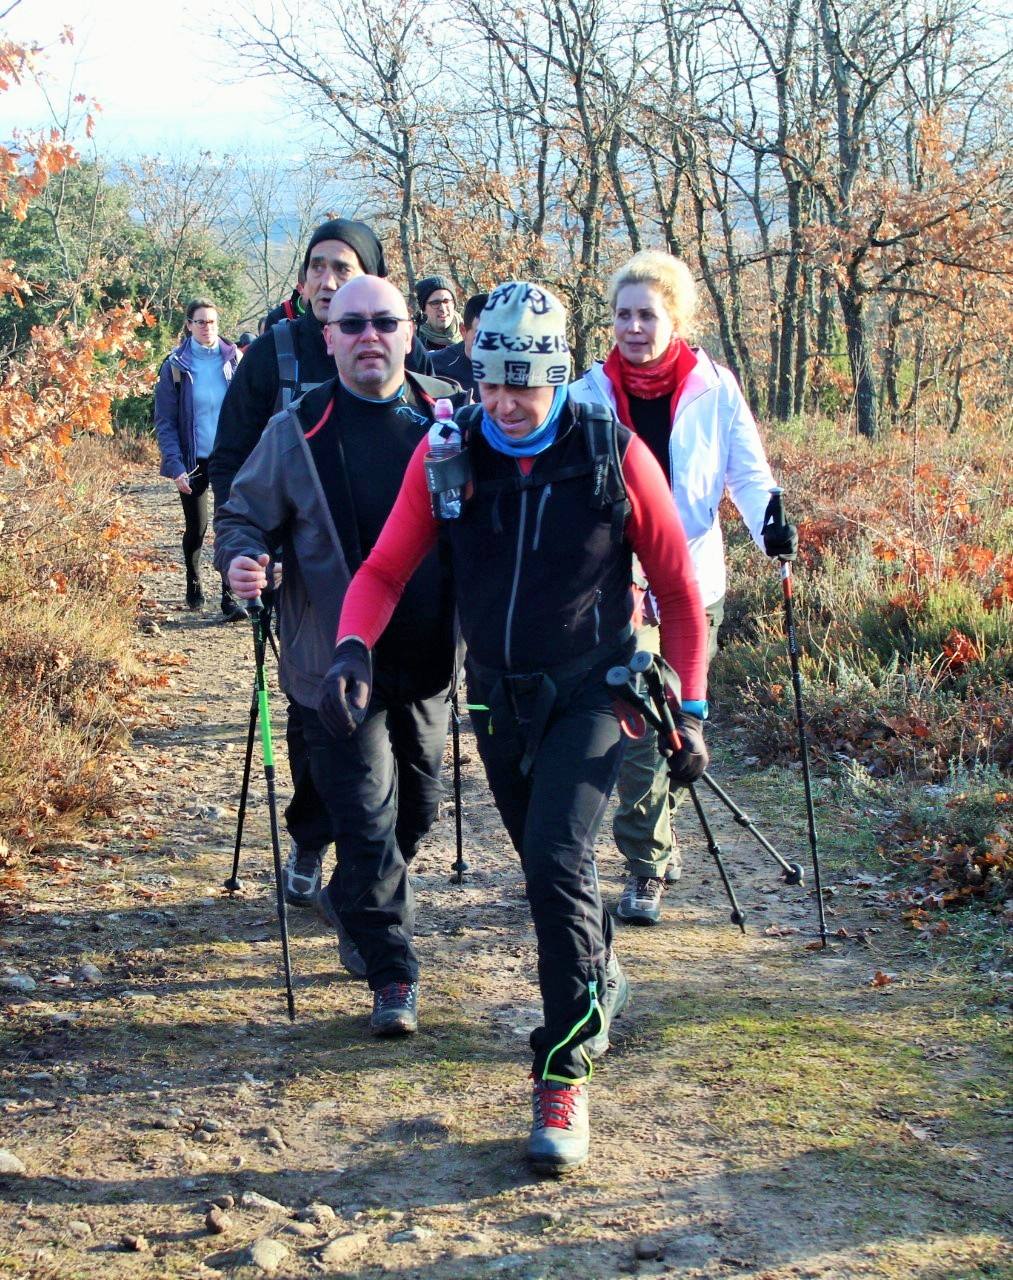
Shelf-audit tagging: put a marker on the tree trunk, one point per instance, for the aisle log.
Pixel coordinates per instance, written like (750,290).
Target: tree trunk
(859,358)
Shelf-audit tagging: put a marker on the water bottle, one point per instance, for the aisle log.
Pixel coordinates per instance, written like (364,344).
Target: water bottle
(444,442)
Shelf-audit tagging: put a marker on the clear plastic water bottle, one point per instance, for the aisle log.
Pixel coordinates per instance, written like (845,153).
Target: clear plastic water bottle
(444,442)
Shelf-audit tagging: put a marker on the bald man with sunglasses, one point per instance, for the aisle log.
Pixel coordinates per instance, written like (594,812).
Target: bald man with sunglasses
(323,479)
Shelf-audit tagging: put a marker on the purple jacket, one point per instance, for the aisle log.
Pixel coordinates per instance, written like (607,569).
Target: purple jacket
(174,422)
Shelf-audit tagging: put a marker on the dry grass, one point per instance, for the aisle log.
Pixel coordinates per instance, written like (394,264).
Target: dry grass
(68,592)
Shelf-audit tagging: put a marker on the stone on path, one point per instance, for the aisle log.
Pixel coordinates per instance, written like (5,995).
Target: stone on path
(254,1200)
(10,1164)
(267,1254)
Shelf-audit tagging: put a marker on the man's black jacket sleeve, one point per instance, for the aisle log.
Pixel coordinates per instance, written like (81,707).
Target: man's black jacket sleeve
(246,410)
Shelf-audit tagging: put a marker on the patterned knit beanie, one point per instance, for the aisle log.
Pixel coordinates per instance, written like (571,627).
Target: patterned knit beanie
(521,338)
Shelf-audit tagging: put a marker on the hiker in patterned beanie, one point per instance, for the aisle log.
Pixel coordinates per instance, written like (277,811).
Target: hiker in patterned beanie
(554,500)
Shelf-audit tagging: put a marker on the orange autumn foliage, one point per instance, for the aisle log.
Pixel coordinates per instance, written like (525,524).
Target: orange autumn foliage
(69,375)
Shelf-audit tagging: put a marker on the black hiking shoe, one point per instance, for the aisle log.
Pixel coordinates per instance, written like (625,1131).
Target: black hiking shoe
(395,1009)
(233,610)
(301,875)
(194,593)
(613,1002)
(348,953)
(641,900)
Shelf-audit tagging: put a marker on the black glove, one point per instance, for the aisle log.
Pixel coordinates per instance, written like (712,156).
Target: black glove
(690,761)
(346,689)
(780,539)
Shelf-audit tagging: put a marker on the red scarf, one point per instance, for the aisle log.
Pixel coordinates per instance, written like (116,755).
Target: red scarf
(662,377)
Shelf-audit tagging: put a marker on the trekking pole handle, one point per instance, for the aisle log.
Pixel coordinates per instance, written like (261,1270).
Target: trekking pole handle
(256,605)
(777,505)
(620,680)
(656,688)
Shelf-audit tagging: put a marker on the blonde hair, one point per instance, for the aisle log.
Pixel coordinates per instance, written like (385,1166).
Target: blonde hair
(670,276)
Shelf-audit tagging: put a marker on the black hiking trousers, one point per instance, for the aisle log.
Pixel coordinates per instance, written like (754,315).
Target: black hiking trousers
(418,731)
(382,791)
(552,816)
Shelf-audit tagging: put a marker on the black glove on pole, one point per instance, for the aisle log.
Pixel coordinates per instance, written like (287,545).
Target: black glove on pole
(257,618)
(775,512)
(681,740)
(347,688)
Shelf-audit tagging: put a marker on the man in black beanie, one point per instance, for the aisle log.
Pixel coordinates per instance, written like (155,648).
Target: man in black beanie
(437,322)
(288,360)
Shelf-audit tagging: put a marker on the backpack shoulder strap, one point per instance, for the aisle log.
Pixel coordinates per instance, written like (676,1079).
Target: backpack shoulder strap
(288,363)
(177,374)
(289,310)
(601,435)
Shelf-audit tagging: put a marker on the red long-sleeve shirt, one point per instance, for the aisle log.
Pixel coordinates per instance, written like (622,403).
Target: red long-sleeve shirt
(653,530)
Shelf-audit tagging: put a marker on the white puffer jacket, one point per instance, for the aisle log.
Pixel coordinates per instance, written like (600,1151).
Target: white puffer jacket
(714,445)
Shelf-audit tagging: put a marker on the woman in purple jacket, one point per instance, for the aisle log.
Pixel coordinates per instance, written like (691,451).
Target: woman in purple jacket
(191,386)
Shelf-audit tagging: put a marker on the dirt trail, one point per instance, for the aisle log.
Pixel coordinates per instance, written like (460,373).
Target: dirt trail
(764,1111)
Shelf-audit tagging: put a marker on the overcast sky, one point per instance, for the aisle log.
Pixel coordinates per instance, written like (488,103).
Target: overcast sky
(158,80)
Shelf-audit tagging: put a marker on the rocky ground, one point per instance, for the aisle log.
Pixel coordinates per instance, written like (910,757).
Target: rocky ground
(766,1110)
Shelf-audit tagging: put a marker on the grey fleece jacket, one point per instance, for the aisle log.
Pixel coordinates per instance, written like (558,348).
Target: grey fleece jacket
(277,491)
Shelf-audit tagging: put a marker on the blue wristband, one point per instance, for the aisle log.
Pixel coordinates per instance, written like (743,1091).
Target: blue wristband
(694,707)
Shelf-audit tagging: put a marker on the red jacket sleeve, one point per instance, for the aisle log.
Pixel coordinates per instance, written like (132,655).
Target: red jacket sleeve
(408,534)
(655,533)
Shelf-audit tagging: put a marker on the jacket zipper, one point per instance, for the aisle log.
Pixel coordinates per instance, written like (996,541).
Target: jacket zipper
(597,615)
(517,577)
(538,519)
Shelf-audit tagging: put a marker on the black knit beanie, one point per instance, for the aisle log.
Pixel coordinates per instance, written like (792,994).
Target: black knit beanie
(427,287)
(357,236)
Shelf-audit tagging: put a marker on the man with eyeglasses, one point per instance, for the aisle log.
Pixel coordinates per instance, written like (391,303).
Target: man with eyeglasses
(324,477)
(289,359)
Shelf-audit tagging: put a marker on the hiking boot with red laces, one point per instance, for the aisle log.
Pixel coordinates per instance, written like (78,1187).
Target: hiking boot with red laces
(560,1132)
(395,1009)
(641,900)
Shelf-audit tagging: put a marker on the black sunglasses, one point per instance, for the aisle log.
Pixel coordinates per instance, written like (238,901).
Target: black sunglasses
(357,324)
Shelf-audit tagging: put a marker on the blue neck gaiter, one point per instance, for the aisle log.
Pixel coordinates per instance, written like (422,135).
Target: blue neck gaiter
(536,441)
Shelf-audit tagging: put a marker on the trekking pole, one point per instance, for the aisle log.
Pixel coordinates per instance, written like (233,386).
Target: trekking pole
(714,849)
(256,610)
(646,664)
(460,866)
(776,510)
(620,679)
(233,883)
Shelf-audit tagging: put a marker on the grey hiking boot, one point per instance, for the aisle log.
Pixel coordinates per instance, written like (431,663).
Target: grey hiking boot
(395,1009)
(560,1132)
(673,868)
(613,1002)
(641,900)
(348,953)
(300,875)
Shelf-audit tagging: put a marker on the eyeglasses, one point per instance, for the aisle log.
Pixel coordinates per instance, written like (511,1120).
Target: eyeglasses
(350,325)
(213,320)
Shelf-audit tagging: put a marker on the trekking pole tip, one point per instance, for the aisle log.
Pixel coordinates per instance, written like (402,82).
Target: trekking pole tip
(794,874)
(234,884)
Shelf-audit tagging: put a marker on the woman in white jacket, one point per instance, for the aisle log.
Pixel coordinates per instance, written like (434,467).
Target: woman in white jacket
(693,417)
